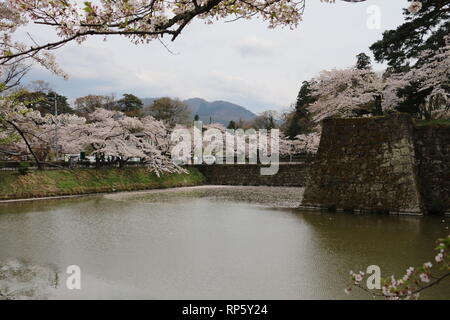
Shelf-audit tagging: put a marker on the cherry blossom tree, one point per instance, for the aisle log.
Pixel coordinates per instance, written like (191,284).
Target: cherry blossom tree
(414,281)
(32,134)
(346,93)
(113,134)
(20,128)
(214,139)
(301,144)
(430,81)
(307,143)
(237,144)
(103,134)
(350,92)
(141,21)
(354,92)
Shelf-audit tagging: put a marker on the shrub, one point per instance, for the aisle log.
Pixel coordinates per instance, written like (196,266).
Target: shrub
(24,168)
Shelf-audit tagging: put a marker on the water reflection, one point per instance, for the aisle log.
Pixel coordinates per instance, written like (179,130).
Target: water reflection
(227,242)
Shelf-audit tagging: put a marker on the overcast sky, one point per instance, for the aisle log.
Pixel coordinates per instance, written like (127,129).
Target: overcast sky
(243,62)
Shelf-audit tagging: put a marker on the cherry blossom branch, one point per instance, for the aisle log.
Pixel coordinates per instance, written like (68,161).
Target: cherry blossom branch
(30,149)
(413,282)
(140,21)
(55,45)
(415,292)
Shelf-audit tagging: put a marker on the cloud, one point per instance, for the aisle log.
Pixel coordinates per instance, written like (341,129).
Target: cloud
(255,46)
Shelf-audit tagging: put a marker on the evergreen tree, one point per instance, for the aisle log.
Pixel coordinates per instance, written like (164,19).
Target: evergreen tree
(413,46)
(45,102)
(423,30)
(130,103)
(413,99)
(363,62)
(299,122)
(232,125)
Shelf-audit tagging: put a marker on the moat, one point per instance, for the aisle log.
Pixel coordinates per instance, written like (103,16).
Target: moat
(213,243)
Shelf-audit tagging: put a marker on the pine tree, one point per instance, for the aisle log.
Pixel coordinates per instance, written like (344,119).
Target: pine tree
(423,30)
(363,62)
(130,103)
(232,125)
(299,121)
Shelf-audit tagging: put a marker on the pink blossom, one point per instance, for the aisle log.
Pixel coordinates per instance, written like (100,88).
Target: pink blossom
(424,277)
(439,257)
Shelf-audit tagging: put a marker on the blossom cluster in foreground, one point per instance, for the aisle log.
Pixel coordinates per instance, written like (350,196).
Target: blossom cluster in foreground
(414,281)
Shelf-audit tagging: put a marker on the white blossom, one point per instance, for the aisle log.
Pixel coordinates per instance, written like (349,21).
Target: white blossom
(424,277)
(415,7)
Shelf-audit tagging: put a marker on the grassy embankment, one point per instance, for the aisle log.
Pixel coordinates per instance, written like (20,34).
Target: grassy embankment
(34,184)
(422,123)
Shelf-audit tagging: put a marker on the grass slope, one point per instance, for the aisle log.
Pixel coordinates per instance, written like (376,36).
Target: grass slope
(82,181)
(422,123)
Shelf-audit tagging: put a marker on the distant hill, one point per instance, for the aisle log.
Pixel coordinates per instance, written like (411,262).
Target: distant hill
(147,101)
(218,111)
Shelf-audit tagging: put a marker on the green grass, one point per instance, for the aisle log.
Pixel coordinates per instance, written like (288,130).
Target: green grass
(421,123)
(82,181)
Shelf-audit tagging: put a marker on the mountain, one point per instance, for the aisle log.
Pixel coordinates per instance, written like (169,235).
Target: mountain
(147,101)
(218,111)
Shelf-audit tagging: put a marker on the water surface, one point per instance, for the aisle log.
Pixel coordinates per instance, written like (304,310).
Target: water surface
(212,243)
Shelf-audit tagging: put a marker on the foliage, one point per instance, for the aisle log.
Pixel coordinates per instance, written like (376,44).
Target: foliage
(49,105)
(130,105)
(88,104)
(266,120)
(44,102)
(79,181)
(425,28)
(232,125)
(23,168)
(348,92)
(114,134)
(171,111)
(301,144)
(444,122)
(103,133)
(363,61)
(417,52)
(425,88)
(299,121)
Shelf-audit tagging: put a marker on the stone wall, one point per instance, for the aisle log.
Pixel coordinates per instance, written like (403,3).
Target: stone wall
(366,164)
(433,158)
(379,164)
(290,175)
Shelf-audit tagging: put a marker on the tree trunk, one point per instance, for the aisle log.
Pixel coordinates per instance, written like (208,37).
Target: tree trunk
(36,159)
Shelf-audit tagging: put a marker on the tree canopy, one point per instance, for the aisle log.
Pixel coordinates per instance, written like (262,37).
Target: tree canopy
(363,61)
(171,111)
(425,28)
(89,103)
(130,104)
(141,21)
(49,102)
(299,121)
